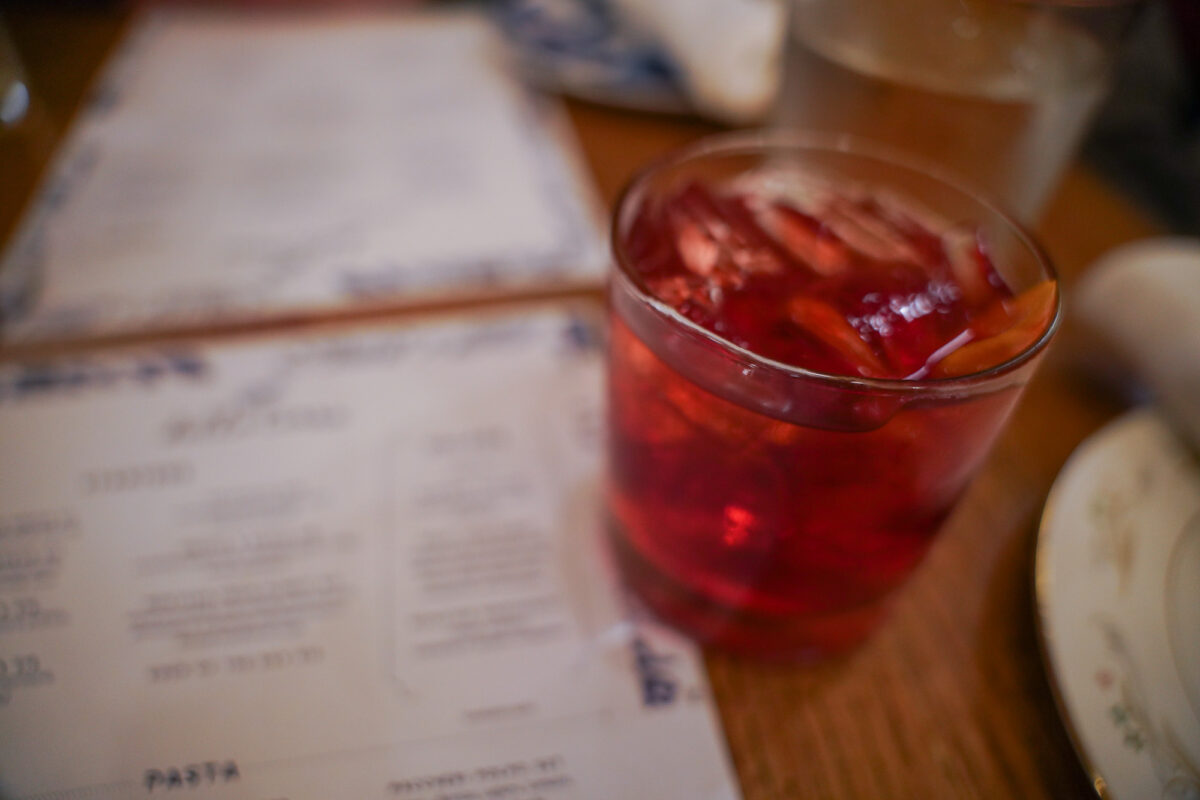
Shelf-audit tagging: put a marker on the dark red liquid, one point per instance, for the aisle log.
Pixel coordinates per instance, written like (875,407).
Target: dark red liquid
(760,510)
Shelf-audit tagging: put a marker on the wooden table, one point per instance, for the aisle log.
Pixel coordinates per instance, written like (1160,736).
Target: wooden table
(949,699)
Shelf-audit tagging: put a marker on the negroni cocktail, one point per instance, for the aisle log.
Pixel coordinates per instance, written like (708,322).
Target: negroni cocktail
(812,350)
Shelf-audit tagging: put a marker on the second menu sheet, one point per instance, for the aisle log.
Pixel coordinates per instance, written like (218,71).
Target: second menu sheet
(357,564)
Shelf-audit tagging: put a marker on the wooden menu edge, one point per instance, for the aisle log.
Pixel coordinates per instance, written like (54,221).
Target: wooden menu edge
(302,321)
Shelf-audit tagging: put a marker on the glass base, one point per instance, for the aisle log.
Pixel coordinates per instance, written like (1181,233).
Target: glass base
(807,638)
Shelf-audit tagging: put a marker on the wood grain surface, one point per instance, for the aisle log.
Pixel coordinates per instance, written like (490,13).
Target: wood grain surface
(950,699)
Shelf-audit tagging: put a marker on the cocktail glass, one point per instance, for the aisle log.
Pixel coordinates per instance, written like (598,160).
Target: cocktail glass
(770,509)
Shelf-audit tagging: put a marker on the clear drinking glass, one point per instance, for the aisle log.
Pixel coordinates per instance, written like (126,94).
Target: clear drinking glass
(770,509)
(998,91)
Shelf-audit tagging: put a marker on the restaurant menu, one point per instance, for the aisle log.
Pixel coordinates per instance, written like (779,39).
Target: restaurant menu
(233,166)
(360,564)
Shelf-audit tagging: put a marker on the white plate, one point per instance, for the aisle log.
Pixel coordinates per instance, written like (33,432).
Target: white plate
(1118,589)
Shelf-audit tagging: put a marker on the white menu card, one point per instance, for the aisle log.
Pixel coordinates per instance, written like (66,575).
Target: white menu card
(365,564)
(234,166)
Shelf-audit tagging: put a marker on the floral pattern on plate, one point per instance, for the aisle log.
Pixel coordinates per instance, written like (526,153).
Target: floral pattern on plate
(1118,583)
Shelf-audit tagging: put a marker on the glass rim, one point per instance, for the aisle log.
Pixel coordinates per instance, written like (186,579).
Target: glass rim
(750,142)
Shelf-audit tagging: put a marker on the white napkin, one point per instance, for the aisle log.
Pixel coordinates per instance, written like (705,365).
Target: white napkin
(1143,300)
(728,51)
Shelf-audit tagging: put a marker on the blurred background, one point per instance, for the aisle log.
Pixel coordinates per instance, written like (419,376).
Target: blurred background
(1145,138)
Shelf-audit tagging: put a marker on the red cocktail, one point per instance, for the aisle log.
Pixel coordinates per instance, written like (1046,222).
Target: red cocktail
(812,350)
